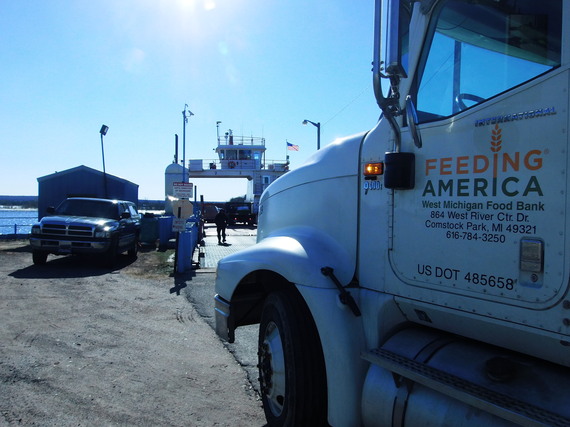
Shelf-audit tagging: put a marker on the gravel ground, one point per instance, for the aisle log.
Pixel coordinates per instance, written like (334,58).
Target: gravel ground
(82,344)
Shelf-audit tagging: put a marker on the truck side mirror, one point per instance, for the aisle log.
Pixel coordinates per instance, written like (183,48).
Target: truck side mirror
(388,39)
(50,210)
(391,11)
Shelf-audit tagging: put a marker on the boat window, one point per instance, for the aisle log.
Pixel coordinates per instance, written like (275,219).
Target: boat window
(245,154)
(481,49)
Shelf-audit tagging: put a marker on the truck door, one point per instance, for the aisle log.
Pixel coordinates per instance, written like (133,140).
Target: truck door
(487,216)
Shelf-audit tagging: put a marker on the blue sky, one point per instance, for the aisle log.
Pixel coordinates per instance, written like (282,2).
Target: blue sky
(258,66)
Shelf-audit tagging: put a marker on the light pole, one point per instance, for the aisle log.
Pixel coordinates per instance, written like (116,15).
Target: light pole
(103,132)
(218,130)
(185,120)
(318,126)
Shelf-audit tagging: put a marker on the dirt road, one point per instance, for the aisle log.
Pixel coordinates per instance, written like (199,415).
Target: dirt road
(82,344)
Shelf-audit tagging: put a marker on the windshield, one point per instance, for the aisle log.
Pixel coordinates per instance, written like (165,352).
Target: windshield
(481,49)
(91,208)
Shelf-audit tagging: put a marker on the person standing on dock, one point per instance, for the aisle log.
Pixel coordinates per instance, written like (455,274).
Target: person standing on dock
(221,221)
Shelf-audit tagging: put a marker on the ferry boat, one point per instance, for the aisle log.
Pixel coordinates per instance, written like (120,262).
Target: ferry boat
(241,157)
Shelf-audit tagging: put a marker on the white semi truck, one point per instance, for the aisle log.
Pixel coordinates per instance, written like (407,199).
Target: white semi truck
(437,293)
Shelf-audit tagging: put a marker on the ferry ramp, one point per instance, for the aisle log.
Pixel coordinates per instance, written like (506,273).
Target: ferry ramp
(237,238)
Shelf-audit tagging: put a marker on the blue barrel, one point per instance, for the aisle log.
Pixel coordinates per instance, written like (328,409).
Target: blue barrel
(185,250)
(149,230)
(165,230)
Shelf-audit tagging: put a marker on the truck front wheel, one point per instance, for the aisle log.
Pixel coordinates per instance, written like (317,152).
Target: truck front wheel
(134,250)
(110,257)
(39,257)
(291,365)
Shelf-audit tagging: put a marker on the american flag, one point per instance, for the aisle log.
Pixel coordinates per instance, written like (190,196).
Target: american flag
(292,147)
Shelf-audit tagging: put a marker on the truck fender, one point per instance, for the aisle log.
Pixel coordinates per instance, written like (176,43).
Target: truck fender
(297,254)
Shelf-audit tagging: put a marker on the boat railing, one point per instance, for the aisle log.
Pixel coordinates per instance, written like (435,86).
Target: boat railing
(241,140)
(244,164)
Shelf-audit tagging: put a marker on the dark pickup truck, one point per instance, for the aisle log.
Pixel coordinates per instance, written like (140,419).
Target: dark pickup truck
(87,226)
(240,213)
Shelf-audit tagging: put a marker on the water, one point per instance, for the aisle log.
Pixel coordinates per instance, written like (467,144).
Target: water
(18,221)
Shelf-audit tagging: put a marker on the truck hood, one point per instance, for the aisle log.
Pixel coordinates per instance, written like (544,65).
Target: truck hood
(77,220)
(340,158)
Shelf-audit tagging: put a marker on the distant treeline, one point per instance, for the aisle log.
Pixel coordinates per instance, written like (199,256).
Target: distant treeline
(25,202)
(31,202)
(151,205)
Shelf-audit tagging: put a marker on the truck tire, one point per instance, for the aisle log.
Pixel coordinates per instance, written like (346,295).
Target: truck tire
(39,257)
(291,364)
(134,250)
(110,257)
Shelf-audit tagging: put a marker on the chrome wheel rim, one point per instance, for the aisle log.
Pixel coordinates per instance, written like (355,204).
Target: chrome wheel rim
(272,369)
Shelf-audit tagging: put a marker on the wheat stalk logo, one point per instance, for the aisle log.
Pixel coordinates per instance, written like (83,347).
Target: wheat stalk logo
(496,139)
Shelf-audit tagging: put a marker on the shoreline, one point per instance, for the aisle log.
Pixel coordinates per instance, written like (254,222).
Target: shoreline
(13,236)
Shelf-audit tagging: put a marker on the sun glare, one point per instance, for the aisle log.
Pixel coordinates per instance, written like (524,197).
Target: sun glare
(209,4)
(196,21)
(188,34)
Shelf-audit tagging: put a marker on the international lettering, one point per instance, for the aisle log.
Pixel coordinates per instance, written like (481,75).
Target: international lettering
(503,118)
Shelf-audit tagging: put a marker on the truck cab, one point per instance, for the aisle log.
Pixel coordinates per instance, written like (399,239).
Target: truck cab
(443,298)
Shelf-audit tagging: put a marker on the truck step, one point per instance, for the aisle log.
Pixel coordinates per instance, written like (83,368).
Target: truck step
(498,404)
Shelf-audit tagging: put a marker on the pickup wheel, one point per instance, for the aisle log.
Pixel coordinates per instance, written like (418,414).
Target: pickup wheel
(291,365)
(39,257)
(110,257)
(134,250)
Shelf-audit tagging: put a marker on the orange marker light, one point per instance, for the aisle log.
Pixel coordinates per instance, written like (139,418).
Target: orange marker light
(373,169)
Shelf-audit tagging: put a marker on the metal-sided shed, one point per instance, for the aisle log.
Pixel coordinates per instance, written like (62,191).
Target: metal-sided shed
(82,181)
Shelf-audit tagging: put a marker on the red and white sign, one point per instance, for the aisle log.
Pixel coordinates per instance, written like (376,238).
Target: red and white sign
(183,190)
(178,225)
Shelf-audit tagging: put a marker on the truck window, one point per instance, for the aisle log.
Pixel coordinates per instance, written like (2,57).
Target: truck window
(481,49)
(90,208)
(132,210)
(122,209)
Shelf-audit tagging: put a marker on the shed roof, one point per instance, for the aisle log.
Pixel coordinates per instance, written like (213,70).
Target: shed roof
(83,168)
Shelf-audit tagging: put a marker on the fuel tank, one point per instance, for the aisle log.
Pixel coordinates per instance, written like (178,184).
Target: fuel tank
(425,377)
